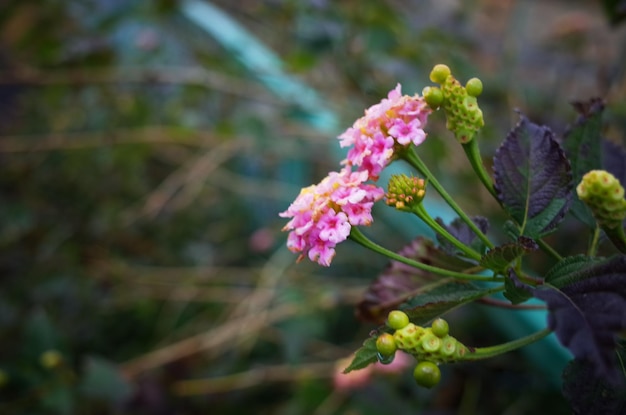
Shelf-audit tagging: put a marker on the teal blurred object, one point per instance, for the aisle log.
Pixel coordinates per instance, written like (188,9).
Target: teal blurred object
(265,66)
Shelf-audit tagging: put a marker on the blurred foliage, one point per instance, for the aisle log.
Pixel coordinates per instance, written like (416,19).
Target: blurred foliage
(142,167)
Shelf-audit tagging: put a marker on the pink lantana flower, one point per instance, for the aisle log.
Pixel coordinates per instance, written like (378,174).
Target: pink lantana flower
(396,121)
(323,214)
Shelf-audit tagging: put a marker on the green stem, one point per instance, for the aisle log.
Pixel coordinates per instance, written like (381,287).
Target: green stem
(547,248)
(593,246)
(357,236)
(421,212)
(479,353)
(473,155)
(412,158)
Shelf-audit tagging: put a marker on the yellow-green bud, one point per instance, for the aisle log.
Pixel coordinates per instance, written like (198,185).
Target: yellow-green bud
(386,345)
(464,117)
(403,192)
(604,195)
(50,359)
(474,87)
(433,96)
(439,73)
(408,338)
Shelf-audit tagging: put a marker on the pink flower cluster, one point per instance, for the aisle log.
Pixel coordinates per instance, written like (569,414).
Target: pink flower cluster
(322,214)
(396,121)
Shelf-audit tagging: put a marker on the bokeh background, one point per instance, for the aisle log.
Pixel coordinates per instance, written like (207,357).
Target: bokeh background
(146,149)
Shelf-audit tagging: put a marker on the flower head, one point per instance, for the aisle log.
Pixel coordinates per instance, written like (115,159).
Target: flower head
(323,214)
(464,117)
(395,122)
(604,195)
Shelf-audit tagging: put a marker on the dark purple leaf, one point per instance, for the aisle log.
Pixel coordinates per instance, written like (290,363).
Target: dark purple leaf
(533,178)
(583,144)
(463,233)
(588,394)
(614,160)
(399,281)
(587,309)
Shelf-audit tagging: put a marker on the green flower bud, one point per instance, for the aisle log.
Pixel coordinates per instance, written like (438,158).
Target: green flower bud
(403,192)
(430,342)
(448,346)
(439,73)
(386,345)
(474,87)
(408,338)
(50,359)
(464,117)
(440,327)
(604,195)
(397,319)
(433,96)
(427,374)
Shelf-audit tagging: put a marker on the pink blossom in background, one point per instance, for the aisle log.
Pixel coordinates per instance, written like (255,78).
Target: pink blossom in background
(323,214)
(359,378)
(396,121)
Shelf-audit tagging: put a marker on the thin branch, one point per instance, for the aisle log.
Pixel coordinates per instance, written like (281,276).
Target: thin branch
(211,340)
(255,377)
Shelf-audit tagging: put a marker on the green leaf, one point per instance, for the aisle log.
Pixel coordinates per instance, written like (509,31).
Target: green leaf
(533,179)
(583,146)
(499,258)
(515,292)
(365,356)
(400,282)
(441,298)
(570,270)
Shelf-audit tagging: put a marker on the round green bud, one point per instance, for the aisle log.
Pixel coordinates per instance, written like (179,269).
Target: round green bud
(474,87)
(433,96)
(386,345)
(50,359)
(430,342)
(440,328)
(440,73)
(448,345)
(397,319)
(427,374)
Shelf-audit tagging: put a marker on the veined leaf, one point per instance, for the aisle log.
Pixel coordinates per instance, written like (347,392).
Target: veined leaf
(442,298)
(499,258)
(570,270)
(461,231)
(588,310)
(400,282)
(589,394)
(583,145)
(533,178)
(365,356)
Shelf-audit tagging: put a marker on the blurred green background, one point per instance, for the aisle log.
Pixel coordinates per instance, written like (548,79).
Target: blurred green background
(147,147)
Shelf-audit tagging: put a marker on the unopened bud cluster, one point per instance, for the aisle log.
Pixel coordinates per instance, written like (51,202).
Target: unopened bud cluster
(464,117)
(604,195)
(431,346)
(404,192)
